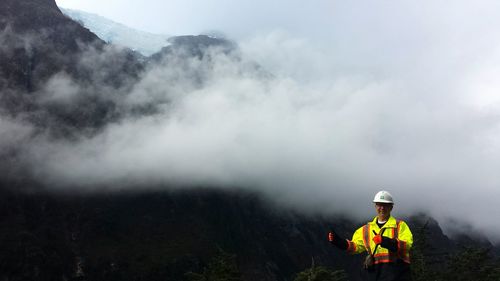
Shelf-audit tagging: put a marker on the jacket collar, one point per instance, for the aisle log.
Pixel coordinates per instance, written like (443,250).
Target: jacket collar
(391,222)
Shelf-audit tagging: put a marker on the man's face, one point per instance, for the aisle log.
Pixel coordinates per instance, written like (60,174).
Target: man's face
(383,210)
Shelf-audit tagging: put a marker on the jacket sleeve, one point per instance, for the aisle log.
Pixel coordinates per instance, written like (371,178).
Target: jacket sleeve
(356,245)
(405,241)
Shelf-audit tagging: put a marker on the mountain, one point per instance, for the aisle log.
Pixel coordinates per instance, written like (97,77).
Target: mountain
(161,236)
(112,32)
(26,59)
(194,46)
(70,234)
(41,47)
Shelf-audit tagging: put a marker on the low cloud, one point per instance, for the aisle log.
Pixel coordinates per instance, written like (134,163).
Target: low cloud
(306,128)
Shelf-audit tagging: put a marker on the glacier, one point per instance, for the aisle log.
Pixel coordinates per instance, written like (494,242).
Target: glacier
(119,34)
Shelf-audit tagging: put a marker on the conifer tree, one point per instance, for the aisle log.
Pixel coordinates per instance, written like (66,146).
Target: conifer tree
(222,267)
(472,264)
(321,273)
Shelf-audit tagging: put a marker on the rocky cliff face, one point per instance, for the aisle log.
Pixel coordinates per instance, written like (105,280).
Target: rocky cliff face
(38,41)
(40,47)
(26,16)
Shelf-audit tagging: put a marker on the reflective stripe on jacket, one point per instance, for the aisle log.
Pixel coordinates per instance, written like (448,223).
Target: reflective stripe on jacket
(362,240)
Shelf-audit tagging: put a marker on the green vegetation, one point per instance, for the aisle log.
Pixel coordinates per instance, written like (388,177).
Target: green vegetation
(468,264)
(420,259)
(472,264)
(222,267)
(321,273)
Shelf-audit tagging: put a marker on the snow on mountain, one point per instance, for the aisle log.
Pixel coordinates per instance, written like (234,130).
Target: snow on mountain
(119,34)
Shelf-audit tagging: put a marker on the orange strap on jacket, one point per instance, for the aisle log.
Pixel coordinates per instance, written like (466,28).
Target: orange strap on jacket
(382,258)
(366,237)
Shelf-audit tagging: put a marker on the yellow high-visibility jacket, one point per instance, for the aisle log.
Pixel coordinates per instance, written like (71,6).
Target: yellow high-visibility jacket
(362,240)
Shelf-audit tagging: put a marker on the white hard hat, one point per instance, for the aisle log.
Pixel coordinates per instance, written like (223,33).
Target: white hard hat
(383,197)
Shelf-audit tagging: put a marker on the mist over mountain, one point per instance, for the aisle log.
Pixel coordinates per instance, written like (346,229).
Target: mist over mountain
(113,163)
(274,114)
(112,32)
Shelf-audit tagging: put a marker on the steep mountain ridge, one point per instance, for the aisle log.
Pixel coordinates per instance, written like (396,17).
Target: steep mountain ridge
(193,46)
(42,49)
(26,57)
(20,15)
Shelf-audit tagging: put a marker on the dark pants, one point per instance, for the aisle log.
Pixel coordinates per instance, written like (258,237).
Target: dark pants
(394,271)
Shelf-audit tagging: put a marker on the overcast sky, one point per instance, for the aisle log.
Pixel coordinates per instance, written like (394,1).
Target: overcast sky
(402,95)
(241,18)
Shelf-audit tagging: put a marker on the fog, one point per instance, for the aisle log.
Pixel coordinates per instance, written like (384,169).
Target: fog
(404,100)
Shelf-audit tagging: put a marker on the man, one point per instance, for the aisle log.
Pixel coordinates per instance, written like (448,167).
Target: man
(386,240)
